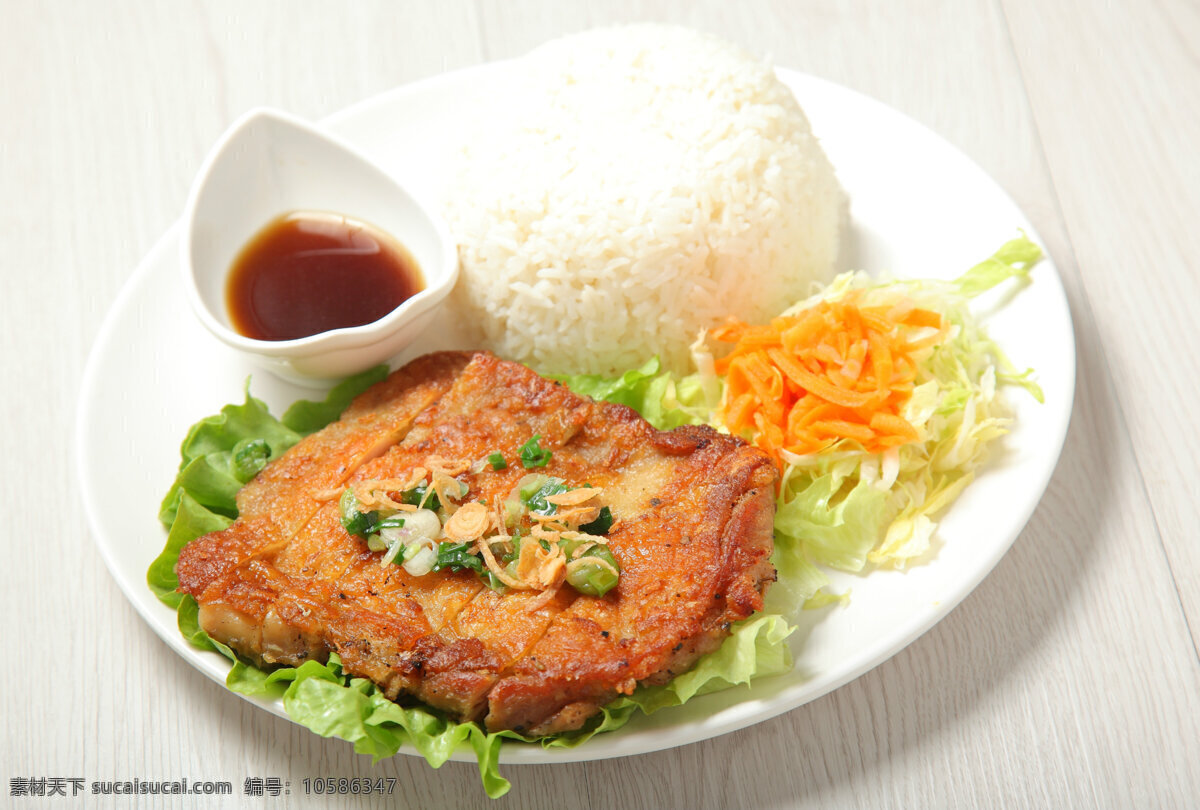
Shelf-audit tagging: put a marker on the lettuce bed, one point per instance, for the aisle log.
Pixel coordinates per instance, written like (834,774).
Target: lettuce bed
(223,451)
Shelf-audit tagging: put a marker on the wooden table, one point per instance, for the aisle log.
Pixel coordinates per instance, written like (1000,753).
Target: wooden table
(1069,678)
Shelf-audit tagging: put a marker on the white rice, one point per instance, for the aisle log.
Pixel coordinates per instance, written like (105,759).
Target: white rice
(639,184)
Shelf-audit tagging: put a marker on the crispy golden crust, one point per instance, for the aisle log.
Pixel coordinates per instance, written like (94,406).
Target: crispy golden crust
(283,497)
(694,511)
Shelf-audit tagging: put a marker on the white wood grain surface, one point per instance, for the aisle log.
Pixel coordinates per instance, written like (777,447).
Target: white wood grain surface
(1069,678)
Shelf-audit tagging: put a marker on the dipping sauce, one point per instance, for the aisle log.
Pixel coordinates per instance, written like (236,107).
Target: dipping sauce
(308,272)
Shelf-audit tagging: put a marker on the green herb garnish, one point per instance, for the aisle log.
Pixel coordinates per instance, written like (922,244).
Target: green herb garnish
(534,496)
(601,524)
(595,579)
(415,495)
(497,461)
(533,454)
(456,557)
(354,520)
(249,457)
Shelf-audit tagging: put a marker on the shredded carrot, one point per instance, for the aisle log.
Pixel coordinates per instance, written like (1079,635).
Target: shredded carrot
(835,372)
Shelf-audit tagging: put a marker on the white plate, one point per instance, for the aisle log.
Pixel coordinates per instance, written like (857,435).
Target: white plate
(919,208)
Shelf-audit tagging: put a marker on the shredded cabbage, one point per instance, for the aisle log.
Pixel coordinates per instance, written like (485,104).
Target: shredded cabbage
(846,508)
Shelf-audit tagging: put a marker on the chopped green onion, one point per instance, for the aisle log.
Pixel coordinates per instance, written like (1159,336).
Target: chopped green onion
(530,484)
(394,554)
(249,457)
(419,559)
(354,521)
(601,524)
(595,579)
(456,557)
(492,581)
(366,525)
(497,461)
(415,495)
(533,454)
(535,493)
(393,522)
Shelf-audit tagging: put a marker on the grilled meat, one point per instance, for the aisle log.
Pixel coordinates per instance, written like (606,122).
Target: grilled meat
(694,508)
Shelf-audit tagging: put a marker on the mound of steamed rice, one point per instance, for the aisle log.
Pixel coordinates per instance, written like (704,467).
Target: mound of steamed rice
(634,186)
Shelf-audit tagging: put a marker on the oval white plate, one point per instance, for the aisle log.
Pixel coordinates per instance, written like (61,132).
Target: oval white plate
(919,207)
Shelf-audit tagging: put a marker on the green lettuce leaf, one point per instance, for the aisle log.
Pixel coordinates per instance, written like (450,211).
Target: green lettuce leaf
(332,704)
(660,398)
(189,521)
(188,621)
(628,389)
(756,648)
(838,533)
(218,434)
(207,470)
(307,416)
(1014,259)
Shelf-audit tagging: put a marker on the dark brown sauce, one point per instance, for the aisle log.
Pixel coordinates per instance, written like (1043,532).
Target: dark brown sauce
(308,272)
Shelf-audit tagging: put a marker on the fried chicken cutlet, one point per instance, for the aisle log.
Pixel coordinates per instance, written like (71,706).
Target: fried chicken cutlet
(513,646)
